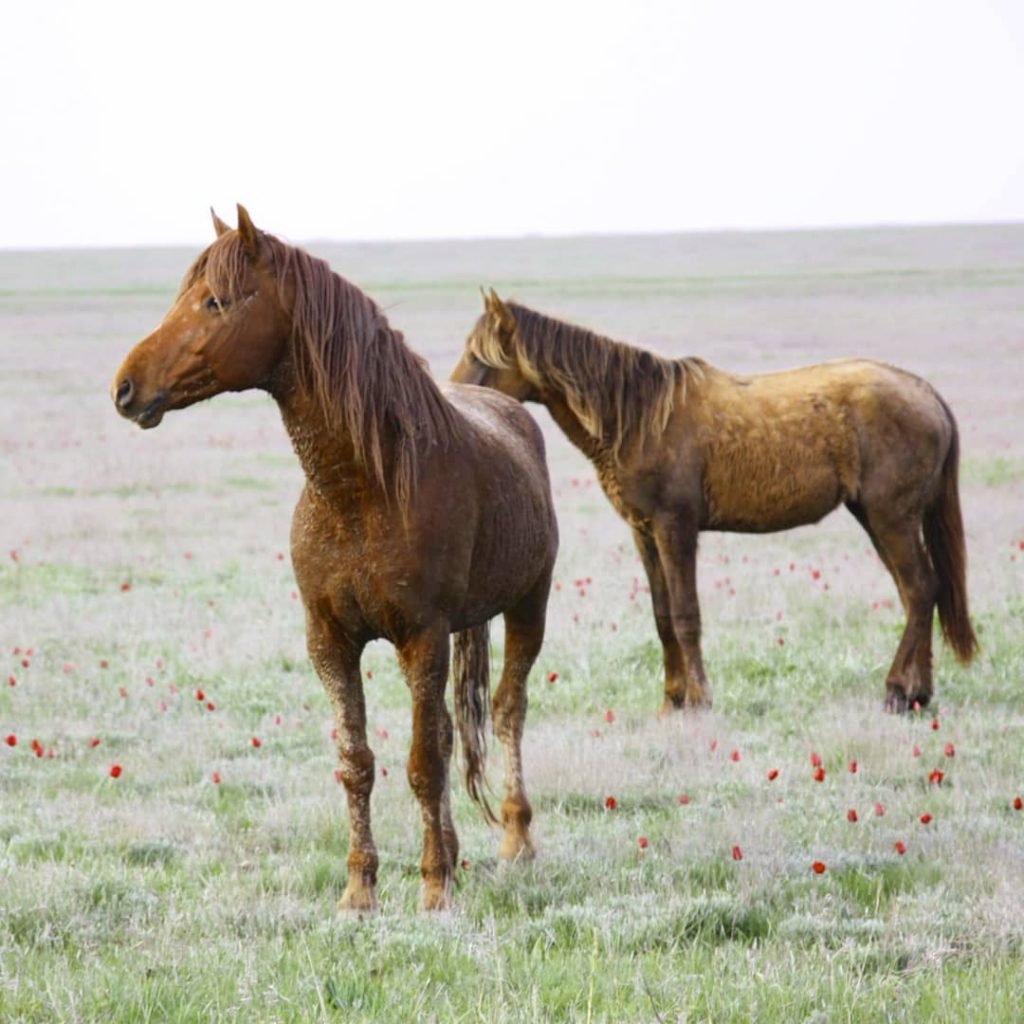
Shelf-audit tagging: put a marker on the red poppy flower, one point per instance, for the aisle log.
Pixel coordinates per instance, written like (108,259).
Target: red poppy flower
(737,853)
(642,842)
(552,676)
(215,778)
(879,810)
(949,750)
(115,771)
(935,725)
(936,776)
(734,756)
(1018,803)
(683,799)
(200,695)
(210,706)
(900,847)
(851,814)
(815,759)
(819,774)
(11,681)
(773,774)
(818,867)
(925,818)
(125,587)
(915,751)
(11,740)
(94,742)
(383,772)
(610,803)
(256,742)
(852,767)
(609,716)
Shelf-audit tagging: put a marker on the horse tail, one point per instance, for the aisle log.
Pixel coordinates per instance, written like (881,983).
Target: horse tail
(471,671)
(944,539)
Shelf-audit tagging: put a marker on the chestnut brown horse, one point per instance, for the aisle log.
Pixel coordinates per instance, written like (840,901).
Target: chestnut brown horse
(426,511)
(680,446)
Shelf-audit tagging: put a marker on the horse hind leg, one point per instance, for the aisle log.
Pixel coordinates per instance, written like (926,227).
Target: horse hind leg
(899,543)
(524,635)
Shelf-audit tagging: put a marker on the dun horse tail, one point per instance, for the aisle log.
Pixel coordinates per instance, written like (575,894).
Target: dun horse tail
(471,671)
(944,538)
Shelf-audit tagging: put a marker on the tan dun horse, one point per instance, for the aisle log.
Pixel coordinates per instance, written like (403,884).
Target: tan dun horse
(426,511)
(680,446)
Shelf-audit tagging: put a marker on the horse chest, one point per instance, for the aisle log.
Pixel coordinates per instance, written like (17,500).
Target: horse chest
(612,484)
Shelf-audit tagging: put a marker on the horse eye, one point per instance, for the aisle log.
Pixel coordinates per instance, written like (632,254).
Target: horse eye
(215,305)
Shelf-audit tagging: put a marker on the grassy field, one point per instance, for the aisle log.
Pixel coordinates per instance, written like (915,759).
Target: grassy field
(149,621)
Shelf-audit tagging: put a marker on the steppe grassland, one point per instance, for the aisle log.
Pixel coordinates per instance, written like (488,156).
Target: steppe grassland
(156,565)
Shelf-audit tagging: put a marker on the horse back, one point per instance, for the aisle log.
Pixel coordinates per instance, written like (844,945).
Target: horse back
(783,449)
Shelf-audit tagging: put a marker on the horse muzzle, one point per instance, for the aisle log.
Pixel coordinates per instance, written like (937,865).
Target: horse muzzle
(130,404)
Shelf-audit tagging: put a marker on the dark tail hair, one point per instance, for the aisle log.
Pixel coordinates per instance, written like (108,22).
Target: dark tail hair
(471,672)
(944,539)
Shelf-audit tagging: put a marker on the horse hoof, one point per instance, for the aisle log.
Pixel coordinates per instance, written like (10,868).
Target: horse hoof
(516,848)
(358,902)
(435,898)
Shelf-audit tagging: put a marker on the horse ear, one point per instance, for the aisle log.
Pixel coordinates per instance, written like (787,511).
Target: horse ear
(486,298)
(499,310)
(218,225)
(248,232)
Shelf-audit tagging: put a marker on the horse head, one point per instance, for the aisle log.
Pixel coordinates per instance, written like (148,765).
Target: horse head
(226,331)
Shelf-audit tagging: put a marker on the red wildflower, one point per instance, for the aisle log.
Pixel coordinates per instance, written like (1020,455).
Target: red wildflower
(900,847)
(552,676)
(737,853)
(115,771)
(915,751)
(215,778)
(851,814)
(949,750)
(925,818)
(11,681)
(852,767)
(125,587)
(122,691)
(609,716)
(256,742)
(818,867)
(12,740)
(384,772)
(94,742)
(773,774)
(815,759)
(819,774)
(1018,803)
(935,725)
(200,695)
(734,756)
(683,799)
(936,776)
(610,803)
(642,842)
(210,706)
(879,810)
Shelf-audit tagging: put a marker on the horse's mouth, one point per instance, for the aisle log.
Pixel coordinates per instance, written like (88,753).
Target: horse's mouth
(152,413)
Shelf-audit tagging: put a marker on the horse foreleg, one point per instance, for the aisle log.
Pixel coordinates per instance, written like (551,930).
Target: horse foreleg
(338,669)
(524,634)
(676,544)
(672,653)
(424,661)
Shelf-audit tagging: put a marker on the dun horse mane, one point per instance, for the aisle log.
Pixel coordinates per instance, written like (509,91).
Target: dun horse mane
(347,358)
(619,393)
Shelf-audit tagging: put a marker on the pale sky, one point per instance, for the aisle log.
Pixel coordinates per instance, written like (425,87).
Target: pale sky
(122,122)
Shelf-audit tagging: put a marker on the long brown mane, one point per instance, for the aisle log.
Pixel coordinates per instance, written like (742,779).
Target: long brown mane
(347,357)
(619,393)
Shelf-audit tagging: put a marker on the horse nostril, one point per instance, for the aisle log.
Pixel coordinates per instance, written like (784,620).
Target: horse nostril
(125,391)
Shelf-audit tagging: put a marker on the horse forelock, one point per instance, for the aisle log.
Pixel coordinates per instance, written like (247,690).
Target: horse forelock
(618,392)
(346,358)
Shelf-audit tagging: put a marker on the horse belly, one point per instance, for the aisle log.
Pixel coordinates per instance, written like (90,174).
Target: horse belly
(775,488)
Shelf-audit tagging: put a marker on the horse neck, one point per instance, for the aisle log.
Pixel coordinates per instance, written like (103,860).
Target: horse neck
(324,450)
(561,412)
